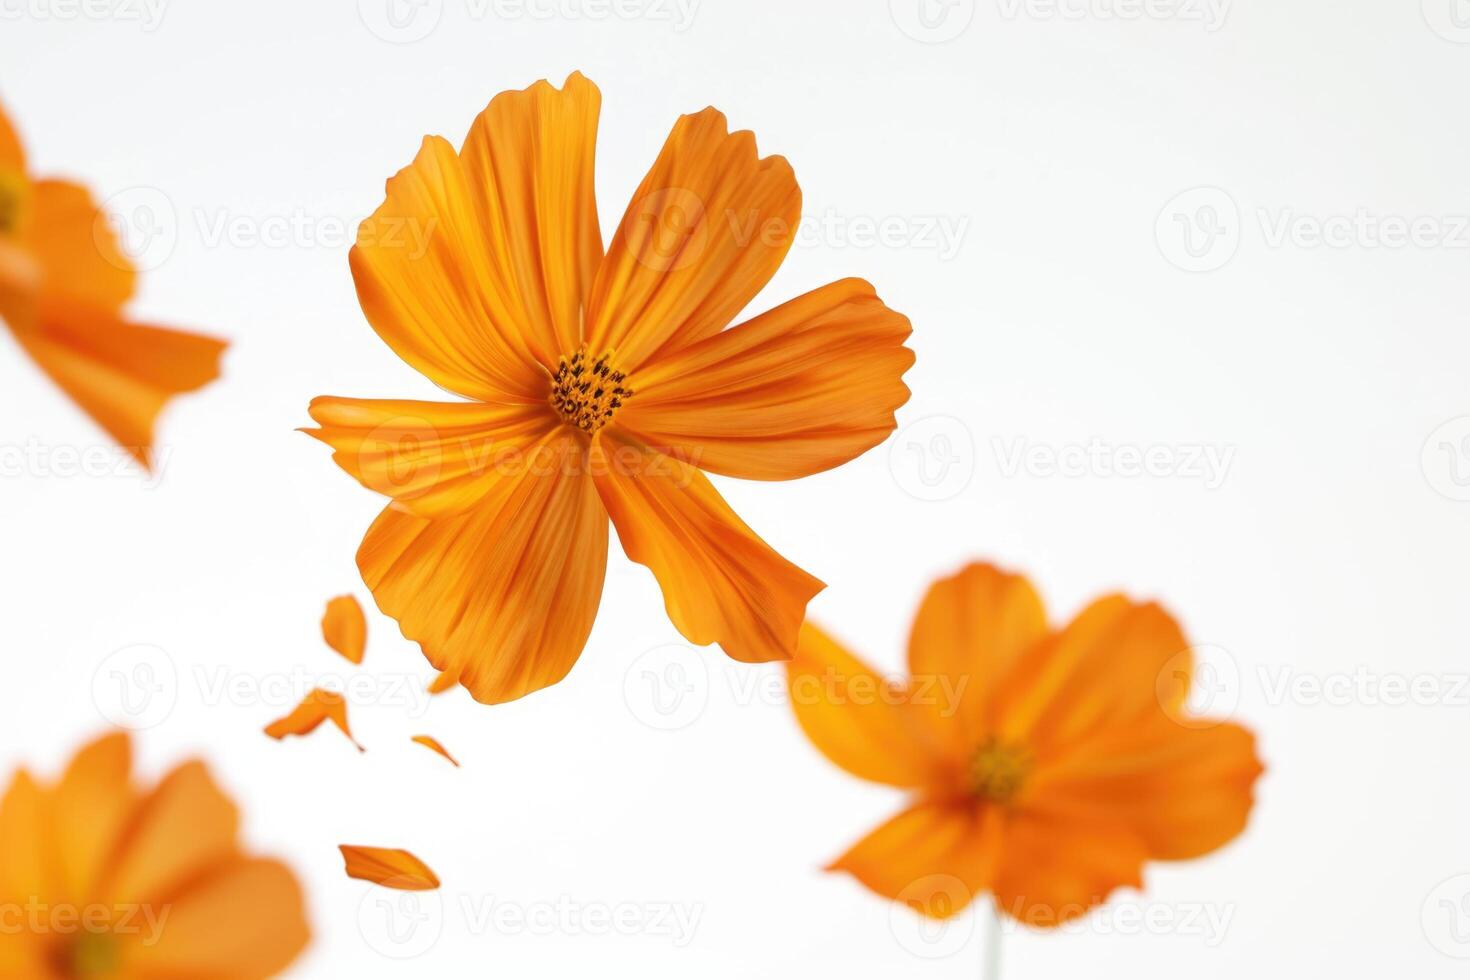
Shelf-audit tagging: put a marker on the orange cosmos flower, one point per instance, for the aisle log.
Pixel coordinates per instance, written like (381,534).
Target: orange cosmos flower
(599,385)
(102,878)
(63,282)
(1046,765)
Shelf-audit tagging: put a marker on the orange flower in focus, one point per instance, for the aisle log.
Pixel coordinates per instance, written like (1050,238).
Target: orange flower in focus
(599,386)
(103,878)
(1046,766)
(63,282)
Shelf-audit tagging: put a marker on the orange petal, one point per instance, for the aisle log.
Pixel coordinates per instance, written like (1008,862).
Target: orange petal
(90,808)
(721,583)
(970,631)
(77,248)
(474,269)
(1184,791)
(801,389)
(26,841)
(935,856)
(245,920)
(1052,872)
(434,459)
(388,867)
(706,230)
(856,718)
(429,741)
(120,373)
(529,163)
(12,151)
(181,831)
(1101,672)
(443,681)
(317,707)
(344,627)
(503,595)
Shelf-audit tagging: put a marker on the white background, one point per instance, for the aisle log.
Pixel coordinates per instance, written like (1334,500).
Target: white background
(1331,550)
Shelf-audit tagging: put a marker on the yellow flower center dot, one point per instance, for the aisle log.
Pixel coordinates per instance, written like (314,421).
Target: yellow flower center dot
(89,956)
(998,770)
(587,393)
(12,197)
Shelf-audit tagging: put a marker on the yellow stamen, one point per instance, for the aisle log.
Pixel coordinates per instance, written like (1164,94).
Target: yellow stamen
(89,956)
(12,199)
(586,393)
(998,770)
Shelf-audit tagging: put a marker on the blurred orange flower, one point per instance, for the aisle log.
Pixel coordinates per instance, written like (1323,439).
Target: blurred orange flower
(599,386)
(101,878)
(63,282)
(1046,766)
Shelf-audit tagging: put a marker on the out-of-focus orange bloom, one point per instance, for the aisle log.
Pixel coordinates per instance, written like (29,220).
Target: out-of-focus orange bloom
(102,878)
(599,386)
(63,283)
(1046,765)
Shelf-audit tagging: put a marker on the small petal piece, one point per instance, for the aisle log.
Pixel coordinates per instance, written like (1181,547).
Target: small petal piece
(389,867)
(345,628)
(318,706)
(430,742)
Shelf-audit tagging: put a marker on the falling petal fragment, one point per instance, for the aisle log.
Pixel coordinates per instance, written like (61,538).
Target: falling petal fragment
(318,706)
(444,682)
(345,628)
(428,741)
(389,867)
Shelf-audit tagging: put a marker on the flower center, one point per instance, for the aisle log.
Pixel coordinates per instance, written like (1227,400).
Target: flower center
(586,393)
(12,197)
(88,956)
(998,770)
